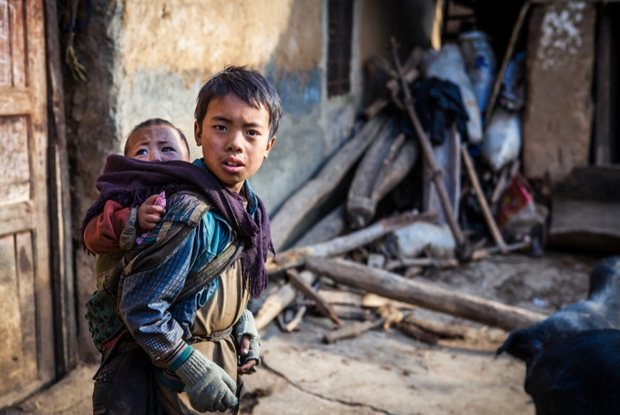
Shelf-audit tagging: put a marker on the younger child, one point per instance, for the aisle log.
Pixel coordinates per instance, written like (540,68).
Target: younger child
(184,289)
(116,227)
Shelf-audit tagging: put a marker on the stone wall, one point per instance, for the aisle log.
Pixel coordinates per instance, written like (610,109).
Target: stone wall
(558,115)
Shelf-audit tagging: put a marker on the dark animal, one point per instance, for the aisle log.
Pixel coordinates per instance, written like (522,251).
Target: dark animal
(579,375)
(601,310)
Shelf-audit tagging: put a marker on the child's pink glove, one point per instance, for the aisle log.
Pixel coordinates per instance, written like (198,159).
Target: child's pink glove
(149,214)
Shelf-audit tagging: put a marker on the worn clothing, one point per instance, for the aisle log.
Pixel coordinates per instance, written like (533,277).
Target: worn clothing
(439,104)
(103,233)
(129,182)
(161,292)
(150,308)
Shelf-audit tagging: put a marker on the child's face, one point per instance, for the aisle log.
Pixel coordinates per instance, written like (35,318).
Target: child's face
(235,140)
(157,143)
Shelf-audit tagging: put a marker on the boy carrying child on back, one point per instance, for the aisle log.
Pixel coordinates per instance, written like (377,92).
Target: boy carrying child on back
(179,321)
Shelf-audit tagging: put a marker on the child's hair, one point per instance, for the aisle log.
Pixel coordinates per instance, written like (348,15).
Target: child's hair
(154,122)
(246,84)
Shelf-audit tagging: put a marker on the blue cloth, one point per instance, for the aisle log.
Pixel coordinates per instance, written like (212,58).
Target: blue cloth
(147,305)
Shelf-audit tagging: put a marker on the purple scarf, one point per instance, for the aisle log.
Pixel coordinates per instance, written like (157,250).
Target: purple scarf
(129,182)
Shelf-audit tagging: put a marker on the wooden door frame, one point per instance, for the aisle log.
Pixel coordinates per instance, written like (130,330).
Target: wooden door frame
(61,247)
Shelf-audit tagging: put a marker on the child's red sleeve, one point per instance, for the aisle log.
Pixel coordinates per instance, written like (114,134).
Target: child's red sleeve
(103,232)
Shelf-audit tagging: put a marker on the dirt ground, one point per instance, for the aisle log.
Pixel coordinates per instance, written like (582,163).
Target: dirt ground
(384,372)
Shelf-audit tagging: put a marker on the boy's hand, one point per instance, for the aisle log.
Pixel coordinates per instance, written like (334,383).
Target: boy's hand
(209,387)
(149,214)
(248,343)
(244,350)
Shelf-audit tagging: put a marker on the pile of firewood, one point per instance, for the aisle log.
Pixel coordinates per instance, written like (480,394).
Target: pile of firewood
(338,267)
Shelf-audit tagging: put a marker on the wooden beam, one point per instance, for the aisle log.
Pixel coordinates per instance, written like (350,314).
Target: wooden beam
(17,217)
(428,296)
(15,101)
(307,290)
(278,301)
(296,208)
(344,244)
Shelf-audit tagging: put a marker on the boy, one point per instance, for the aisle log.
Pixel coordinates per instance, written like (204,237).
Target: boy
(178,307)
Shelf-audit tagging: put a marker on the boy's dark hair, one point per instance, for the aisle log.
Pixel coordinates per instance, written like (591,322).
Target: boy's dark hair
(248,85)
(154,122)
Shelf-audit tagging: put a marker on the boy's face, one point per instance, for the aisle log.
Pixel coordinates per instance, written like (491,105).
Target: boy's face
(157,143)
(235,140)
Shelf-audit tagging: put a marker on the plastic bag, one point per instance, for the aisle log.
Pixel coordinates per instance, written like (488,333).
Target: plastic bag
(512,95)
(448,64)
(518,214)
(479,64)
(502,139)
(412,240)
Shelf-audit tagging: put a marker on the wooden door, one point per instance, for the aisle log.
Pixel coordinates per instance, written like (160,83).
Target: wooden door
(26,323)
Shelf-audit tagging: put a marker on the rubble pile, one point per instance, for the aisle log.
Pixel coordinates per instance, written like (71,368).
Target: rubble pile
(424,137)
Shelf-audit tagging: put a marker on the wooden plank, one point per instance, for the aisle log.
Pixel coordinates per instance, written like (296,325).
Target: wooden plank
(11,355)
(17,217)
(15,101)
(18,43)
(15,166)
(5,46)
(26,291)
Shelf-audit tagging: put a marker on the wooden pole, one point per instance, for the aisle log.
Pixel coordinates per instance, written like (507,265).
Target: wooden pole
(427,149)
(394,286)
(306,289)
(278,301)
(344,244)
(486,211)
(502,70)
(352,330)
(297,207)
